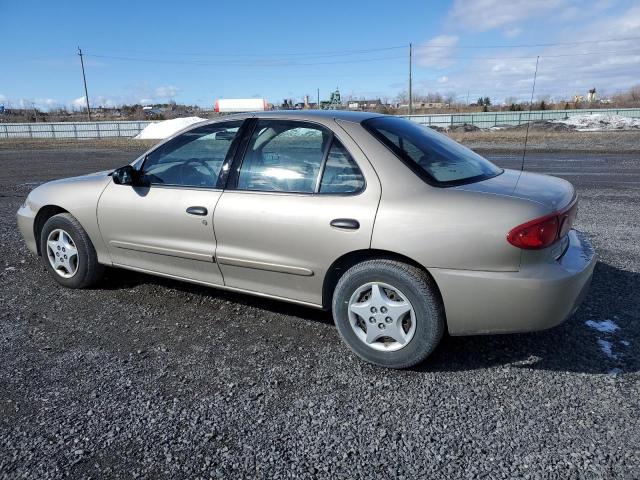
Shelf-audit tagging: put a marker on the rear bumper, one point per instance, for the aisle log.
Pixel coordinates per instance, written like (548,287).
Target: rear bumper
(536,297)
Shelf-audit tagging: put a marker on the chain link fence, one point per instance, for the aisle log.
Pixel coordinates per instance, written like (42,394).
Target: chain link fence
(494,119)
(77,130)
(109,129)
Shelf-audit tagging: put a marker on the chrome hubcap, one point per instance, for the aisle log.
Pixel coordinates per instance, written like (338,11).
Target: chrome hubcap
(381,316)
(62,253)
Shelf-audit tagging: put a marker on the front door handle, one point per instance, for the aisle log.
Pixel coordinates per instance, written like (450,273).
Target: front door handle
(345,223)
(197,210)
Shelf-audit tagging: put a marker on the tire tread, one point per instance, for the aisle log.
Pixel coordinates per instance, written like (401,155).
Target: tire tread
(424,287)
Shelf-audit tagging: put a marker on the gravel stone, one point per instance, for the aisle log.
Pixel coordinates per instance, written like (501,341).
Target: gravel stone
(260,389)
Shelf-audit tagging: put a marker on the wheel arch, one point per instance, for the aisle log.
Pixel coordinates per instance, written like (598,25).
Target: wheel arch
(348,260)
(44,214)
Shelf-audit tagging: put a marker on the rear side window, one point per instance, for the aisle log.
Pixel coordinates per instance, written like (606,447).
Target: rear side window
(433,156)
(297,157)
(283,157)
(341,173)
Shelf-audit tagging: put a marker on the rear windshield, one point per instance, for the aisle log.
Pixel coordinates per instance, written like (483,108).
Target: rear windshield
(433,156)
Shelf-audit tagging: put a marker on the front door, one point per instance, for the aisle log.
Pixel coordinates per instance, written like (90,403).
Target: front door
(297,203)
(166,226)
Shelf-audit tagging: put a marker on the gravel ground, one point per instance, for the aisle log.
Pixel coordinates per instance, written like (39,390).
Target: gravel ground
(149,378)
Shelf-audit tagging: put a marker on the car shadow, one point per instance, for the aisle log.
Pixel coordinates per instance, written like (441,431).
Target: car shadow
(120,279)
(575,346)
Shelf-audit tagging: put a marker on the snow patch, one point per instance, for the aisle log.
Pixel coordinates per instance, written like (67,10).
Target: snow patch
(166,128)
(607,348)
(600,121)
(603,326)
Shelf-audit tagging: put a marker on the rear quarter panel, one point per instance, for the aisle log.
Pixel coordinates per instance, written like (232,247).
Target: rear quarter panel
(441,227)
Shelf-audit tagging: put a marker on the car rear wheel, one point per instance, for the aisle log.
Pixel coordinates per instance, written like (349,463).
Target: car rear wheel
(68,253)
(388,313)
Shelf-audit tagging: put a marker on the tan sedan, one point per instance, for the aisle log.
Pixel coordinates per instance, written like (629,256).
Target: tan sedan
(397,229)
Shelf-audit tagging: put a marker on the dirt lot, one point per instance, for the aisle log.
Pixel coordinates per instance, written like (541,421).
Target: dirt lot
(509,140)
(144,377)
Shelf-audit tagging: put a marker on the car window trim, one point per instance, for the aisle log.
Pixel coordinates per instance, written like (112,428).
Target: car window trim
(233,173)
(323,163)
(232,151)
(342,194)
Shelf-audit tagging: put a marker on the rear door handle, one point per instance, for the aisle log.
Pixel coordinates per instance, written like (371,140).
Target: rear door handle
(345,223)
(197,210)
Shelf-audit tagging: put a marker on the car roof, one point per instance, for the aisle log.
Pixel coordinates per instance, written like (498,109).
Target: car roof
(356,117)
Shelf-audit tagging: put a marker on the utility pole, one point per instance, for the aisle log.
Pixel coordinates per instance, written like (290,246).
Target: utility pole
(410,87)
(318,104)
(84,78)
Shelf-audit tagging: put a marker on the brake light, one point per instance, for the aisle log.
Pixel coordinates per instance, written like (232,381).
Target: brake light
(543,231)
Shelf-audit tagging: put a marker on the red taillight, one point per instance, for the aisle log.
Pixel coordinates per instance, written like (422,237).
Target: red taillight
(543,231)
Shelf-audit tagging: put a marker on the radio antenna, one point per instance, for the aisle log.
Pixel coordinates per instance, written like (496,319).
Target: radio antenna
(526,135)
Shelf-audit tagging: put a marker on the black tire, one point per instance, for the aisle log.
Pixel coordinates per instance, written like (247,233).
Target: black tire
(89,271)
(421,292)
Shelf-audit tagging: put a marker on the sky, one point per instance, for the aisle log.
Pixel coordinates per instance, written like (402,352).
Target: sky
(195,52)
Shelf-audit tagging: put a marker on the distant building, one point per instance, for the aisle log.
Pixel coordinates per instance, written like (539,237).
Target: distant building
(425,105)
(591,96)
(334,102)
(364,104)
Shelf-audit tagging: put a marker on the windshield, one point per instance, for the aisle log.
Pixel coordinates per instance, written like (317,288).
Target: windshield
(433,156)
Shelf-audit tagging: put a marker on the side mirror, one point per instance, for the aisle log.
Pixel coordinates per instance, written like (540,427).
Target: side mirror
(126,175)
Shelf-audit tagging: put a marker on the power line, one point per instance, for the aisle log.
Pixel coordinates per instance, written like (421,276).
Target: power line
(330,53)
(527,45)
(266,63)
(531,57)
(289,63)
(325,54)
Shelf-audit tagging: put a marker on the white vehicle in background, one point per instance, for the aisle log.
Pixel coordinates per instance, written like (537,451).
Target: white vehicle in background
(238,105)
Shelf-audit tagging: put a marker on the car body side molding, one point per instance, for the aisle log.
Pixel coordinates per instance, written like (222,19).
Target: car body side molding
(162,251)
(272,267)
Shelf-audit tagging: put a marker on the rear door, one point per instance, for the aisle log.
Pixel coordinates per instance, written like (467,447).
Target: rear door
(166,226)
(302,196)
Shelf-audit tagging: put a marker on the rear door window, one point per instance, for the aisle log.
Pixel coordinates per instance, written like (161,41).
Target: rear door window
(284,156)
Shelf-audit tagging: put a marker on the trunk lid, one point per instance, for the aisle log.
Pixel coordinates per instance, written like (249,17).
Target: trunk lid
(552,192)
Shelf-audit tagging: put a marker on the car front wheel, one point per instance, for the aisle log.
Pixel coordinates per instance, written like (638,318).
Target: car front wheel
(388,313)
(68,253)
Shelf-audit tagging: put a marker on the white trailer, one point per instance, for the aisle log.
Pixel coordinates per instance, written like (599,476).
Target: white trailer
(231,105)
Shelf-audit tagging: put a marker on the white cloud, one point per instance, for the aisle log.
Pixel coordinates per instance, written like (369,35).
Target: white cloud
(483,15)
(436,52)
(443,79)
(512,32)
(564,70)
(80,102)
(168,91)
